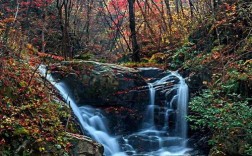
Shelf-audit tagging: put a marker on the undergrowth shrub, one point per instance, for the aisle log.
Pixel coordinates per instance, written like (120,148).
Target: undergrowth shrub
(229,120)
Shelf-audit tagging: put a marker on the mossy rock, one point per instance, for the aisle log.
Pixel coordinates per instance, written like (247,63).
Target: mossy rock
(85,146)
(99,84)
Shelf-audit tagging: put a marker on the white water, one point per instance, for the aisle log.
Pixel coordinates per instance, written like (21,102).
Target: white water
(149,116)
(158,141)
(182,109)
(150,141)
(181,98)
(90,119)
(182,101)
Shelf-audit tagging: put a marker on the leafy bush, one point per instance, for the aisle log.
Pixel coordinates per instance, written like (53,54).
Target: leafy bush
(31,123)
(229,120)
(183,54)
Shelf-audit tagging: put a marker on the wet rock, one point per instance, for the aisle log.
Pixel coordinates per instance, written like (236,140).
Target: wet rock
(197,152)
(198,141)
(196,80)
(151,74)
(143,143)
(123,120)
(85,146)
(120,91)
(101,84)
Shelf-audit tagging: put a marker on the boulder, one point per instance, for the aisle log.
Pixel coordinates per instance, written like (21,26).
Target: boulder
(120,91)
(198,141)
(101,84)
(151,74)
(85,146)
(123,120)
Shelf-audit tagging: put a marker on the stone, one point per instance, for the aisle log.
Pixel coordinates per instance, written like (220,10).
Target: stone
(151,74)
(121,92)
(198,141)
(85,146)
(101,84)
(122,120)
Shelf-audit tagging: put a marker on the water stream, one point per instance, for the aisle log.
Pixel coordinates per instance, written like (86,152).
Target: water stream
(152,139)
(90,119)
(162,140)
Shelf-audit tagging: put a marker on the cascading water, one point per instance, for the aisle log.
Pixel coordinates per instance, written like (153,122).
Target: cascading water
(182,102)
(91,120)
(153,139)
(157,140)
(182,109)
(149,117)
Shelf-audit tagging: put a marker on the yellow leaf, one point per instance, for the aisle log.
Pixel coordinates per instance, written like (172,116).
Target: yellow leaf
(41,149)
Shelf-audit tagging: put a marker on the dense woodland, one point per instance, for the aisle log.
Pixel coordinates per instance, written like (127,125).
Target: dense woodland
(209,41)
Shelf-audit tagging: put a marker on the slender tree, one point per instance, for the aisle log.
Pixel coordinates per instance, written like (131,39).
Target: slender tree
(89,9)
(168,7)
(132,25)
(146,22)
(64,10)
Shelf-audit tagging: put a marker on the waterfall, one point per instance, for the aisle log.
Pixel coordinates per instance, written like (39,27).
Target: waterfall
(90,119)
(156,139)
(182,108)
(181,99)
(153,139)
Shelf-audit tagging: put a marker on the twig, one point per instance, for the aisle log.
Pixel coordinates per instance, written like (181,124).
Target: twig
(68,120)
(29,83)
(16,11)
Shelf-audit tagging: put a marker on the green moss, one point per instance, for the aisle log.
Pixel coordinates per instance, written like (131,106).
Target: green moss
(20,131)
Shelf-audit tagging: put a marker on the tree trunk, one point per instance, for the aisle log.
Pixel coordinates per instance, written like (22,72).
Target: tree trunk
(146,21)
(177,6)
(215,4)
(64,9)
(182,9)
(43,26)
(168,7)
(191,8)
(132,24)
(117,26)
(89,5)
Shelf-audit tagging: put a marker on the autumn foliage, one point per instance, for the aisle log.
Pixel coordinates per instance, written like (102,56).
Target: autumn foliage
(28,116)
(31,121)
(209,40)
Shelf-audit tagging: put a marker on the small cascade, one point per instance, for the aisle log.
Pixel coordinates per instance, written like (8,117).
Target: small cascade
(182,109)
(155,139)
(181,100)
(90,119)
(149,117)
